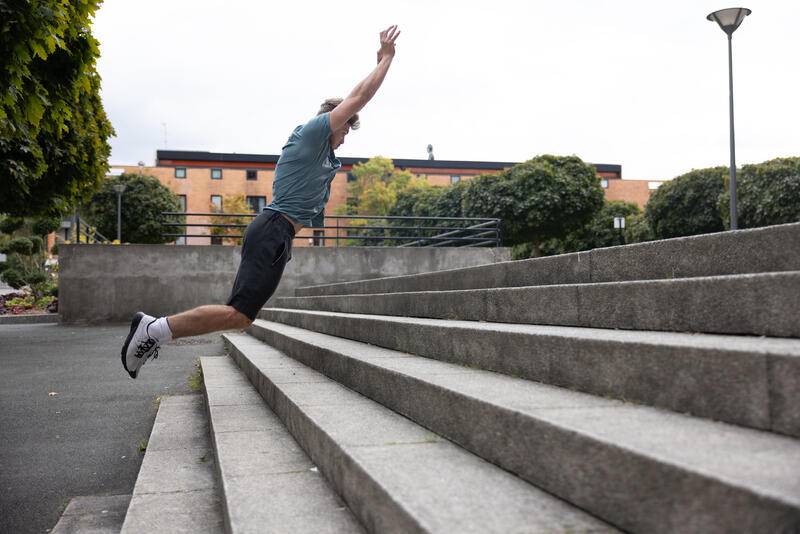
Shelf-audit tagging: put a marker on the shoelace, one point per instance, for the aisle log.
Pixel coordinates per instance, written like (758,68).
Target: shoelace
(144,347)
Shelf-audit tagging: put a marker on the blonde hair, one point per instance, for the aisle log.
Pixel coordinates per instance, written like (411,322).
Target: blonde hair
(331,103)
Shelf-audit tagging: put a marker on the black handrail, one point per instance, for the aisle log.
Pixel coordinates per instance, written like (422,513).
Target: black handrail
(478,232)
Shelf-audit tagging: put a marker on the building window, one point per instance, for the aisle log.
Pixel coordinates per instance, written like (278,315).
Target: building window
(256,204)
(318,242)
(350,177)
(180,172)
(252,175)
(216,174)
(454,179)
(604,183)
(183,202)
(654,185)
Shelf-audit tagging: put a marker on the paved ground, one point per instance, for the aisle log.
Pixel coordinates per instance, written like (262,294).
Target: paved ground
(84,440)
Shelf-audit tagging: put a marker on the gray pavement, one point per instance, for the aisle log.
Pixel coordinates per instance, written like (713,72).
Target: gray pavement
(85,439)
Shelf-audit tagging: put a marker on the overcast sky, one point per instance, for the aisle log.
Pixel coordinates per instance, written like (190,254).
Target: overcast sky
(637,83)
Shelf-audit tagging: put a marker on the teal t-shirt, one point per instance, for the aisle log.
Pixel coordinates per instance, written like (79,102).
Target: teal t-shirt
(305,170)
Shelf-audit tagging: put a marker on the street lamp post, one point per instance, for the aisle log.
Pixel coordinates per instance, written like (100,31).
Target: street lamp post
(730,19)
(119,188)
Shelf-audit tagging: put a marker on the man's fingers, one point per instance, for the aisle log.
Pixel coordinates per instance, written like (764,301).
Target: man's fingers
(388,31)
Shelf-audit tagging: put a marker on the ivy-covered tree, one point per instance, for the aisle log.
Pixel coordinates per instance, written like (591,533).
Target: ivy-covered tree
(143,201)
(688,204)
(768,193)
(53,128)
(546,197)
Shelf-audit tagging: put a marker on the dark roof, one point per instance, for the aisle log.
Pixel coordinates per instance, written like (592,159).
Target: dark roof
(191,155)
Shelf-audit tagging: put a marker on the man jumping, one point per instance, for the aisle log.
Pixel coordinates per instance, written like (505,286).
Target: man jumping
(300,191)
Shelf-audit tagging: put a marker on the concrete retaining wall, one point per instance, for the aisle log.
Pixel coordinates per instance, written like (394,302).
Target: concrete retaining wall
(108,283)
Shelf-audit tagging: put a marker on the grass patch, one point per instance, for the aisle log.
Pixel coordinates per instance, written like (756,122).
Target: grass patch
(196,378)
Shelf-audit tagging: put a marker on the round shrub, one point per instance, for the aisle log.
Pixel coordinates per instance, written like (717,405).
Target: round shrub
(20,245)
(46,226)
(38,243)
(688,204)
(9,225)
(13,278)
(36,277)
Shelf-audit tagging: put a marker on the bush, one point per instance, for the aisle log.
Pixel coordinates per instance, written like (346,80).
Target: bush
(13,278)
(19,245)
(46,226)
(688,204)
(768,193)
(637,229)
(38,244)
(9,225)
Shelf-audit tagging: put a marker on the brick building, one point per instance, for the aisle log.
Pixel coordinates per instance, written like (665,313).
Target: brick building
(205,178)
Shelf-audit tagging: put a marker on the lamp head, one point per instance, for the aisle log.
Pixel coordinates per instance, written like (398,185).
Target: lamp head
(729,19)
(119,188)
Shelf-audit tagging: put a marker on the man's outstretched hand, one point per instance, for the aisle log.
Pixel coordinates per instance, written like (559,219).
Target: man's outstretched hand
(388,37)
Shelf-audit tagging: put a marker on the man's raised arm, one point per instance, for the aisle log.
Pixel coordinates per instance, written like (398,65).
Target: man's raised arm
(364,91)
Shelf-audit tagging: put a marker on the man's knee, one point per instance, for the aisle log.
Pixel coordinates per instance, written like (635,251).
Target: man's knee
(239,320)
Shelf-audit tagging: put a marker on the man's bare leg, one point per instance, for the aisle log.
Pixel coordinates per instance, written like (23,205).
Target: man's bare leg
(207,319)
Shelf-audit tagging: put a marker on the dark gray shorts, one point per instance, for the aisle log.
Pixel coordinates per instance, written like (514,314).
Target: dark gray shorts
(266,248)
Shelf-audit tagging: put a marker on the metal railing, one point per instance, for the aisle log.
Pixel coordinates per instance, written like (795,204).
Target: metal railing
(389,231)
(81,232)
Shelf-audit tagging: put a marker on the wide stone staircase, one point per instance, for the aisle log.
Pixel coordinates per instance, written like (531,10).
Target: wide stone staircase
(649,388)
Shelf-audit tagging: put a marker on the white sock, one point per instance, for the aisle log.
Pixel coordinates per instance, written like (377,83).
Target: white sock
(160,330)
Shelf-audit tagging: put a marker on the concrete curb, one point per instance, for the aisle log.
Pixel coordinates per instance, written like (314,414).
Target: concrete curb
(757,304)
(28,319)
(639,468)
(768,249)
(748,381)
(268,483)
(395,475)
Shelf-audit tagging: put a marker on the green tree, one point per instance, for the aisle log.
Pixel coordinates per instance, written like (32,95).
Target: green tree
(374,192)
(546,197)
(688,204)
(53,128)
(230,204)
(376,186)
(143,201)
(768,193)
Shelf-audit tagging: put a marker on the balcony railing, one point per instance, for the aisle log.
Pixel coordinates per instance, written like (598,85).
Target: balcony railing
(356,229)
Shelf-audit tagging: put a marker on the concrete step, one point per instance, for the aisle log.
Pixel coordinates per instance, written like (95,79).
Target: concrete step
(744,380)
(639,468)
(268,483)
(97,514)
(758,304)
(176,490)
(395,475)
(757,250)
